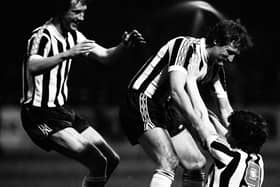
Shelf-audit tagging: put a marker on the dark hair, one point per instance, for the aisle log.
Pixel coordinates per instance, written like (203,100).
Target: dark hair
(248,129)
(226,31)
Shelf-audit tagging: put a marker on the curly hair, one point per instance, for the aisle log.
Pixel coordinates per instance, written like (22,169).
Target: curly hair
(227,31)
(249,130)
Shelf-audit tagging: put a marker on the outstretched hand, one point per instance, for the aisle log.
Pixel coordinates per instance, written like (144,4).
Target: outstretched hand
(132,39)
(82,48)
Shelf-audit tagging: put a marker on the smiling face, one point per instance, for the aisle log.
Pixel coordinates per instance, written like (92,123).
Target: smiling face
(74,16)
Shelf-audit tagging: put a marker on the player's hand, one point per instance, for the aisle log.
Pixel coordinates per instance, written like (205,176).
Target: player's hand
(82,48)
(132,39)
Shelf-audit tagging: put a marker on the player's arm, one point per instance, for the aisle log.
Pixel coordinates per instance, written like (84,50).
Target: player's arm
(224,106)
(109,55)
(207,126)
(220,128)
(39,60)
(202,122)
(178,93)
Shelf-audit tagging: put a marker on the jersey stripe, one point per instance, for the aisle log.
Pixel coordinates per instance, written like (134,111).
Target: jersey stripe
(155,73)
(174,52)
(45,91)
(152,78)
(242,169)
(229,171)
(58,76)
(48,89)
(64,90)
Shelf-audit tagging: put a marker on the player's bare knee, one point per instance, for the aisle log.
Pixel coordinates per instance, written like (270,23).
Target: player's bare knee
(90,156)
(80,147)
(191,162)
(197,163)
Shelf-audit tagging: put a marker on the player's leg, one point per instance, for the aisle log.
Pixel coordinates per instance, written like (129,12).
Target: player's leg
(84,127)
(157,144)
(191,159)
(71,143)
(112,157)
(142,120)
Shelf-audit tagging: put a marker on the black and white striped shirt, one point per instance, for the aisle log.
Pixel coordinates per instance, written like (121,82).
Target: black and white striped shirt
(233,167)
(152,78)
(48,89)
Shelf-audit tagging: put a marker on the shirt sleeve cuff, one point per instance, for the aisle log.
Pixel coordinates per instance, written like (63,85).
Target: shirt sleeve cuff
(177,68)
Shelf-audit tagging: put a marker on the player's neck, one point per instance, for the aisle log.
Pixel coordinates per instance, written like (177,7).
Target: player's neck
(58,23)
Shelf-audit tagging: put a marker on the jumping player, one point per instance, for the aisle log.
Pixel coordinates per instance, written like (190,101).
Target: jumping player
(47,118)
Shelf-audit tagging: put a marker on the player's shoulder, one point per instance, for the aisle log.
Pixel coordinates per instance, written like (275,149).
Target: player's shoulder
(183,38)
(221,139)
(188,40)
(217,139)
(44,30)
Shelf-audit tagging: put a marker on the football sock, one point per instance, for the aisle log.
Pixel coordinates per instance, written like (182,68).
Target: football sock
(89,181)
(193,178)
(162,178)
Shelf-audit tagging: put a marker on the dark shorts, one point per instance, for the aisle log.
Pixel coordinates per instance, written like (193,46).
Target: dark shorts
(40,123)
(139,113)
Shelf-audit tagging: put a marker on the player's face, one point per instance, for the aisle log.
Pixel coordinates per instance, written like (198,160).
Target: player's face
(226,53)
(74,16)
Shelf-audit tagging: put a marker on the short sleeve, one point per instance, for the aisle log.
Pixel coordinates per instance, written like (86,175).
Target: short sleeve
(39,43)
(220,149)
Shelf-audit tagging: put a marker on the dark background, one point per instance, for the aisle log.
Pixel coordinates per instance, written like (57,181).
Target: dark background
(97,90)
(255,76)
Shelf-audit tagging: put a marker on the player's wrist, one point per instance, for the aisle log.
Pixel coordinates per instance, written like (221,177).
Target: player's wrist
(221,94)
(64,56)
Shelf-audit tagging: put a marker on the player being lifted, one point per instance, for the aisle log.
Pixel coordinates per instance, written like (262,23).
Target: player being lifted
(235,149)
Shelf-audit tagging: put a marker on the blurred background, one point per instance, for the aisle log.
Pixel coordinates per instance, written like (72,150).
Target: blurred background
(96,90)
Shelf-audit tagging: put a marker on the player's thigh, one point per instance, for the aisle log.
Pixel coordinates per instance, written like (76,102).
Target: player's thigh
(96,139)
(71,143)
(188,150)
(157,144)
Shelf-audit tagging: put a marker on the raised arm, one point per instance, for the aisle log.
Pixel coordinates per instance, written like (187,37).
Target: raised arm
(109,55)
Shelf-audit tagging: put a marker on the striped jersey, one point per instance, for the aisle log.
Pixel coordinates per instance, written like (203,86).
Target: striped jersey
(233,167)
(48,89)
(152,78)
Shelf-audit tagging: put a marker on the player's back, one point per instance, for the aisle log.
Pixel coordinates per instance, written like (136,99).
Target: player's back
(234,168)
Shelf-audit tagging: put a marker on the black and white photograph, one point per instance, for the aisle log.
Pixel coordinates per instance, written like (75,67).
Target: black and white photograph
(140,93)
